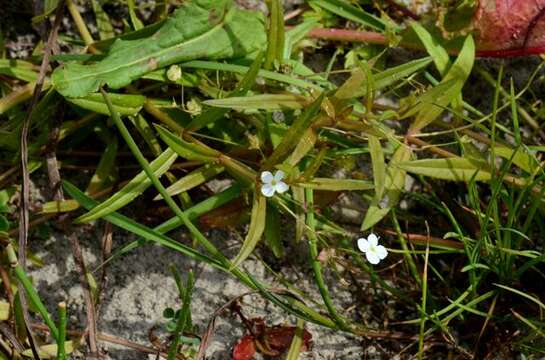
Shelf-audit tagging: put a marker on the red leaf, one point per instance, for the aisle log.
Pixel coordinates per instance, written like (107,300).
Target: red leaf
(279,337)
(244,349)
(510,25)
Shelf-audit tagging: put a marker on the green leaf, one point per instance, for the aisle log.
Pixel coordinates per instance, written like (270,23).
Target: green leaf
(434,102)
(267,102)
(105,173)
(519,157)
(4,310)
(437,52)
(455,169)
(355,85)
(188,150)
(124,104)
(212,29)
(257,225)
(136,228)
(295,133)
(19,69)
(379,167)
(134,188)
(346,10)
(335,184)
(273,234)
(105,28)
(275,35)
(136,23)
(212,115)
(50,351)
(393,186)
(296,34)
(193,179)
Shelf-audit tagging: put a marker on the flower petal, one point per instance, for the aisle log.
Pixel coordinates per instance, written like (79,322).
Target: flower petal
(279,175)
(363,245)
(281,187)
(381,252)
(373,239)
(267,190)
(372,257)
(266,177)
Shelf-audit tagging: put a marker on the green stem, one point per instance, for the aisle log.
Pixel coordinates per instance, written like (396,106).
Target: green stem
(316,266)
(32,294)
(182,320)
(61,351)
(80,23)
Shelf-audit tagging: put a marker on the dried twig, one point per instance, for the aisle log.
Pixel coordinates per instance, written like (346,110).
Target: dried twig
(25,191)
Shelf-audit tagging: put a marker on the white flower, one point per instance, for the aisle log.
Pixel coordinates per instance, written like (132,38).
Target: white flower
(273,184)
(373,251)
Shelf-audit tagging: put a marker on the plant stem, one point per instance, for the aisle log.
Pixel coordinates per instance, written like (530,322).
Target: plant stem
(80,23)
(316,266)
(61,351)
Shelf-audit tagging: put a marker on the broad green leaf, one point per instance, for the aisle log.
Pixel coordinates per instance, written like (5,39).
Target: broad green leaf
(393,186)
(19,69)
(355,85)
(212,29)
(134,188)
(348,11)
(435,50)
(295,133)
(455,169)
(193,179)
(268,102)
(50,351)
(275,35)
(336,184)
(124,104)
(105,28)
(188,150)
(379,167)
(257,226)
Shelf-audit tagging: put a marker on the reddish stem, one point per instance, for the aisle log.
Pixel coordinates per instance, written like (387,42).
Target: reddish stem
(371,37)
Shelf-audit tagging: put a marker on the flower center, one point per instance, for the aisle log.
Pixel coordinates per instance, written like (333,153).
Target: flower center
(373,249)
(273,183)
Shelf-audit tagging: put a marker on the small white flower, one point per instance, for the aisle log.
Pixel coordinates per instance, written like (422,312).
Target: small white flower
(273,184)
(373,251)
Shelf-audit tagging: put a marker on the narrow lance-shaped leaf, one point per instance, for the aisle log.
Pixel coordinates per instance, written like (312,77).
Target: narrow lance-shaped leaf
(294,133)
(133,189)
(257,226)
(193,179)
(379,167)
(211,115)
(455,169)
(209,29)
(393,185)
(275,38)
(348,11)
(104,174)
(335,184)
(437,52)
(124,104)
(267,102)
(432,107)
(105,28)
(355,85)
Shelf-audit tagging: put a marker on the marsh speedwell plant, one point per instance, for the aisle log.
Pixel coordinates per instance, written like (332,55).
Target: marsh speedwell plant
(385,179)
